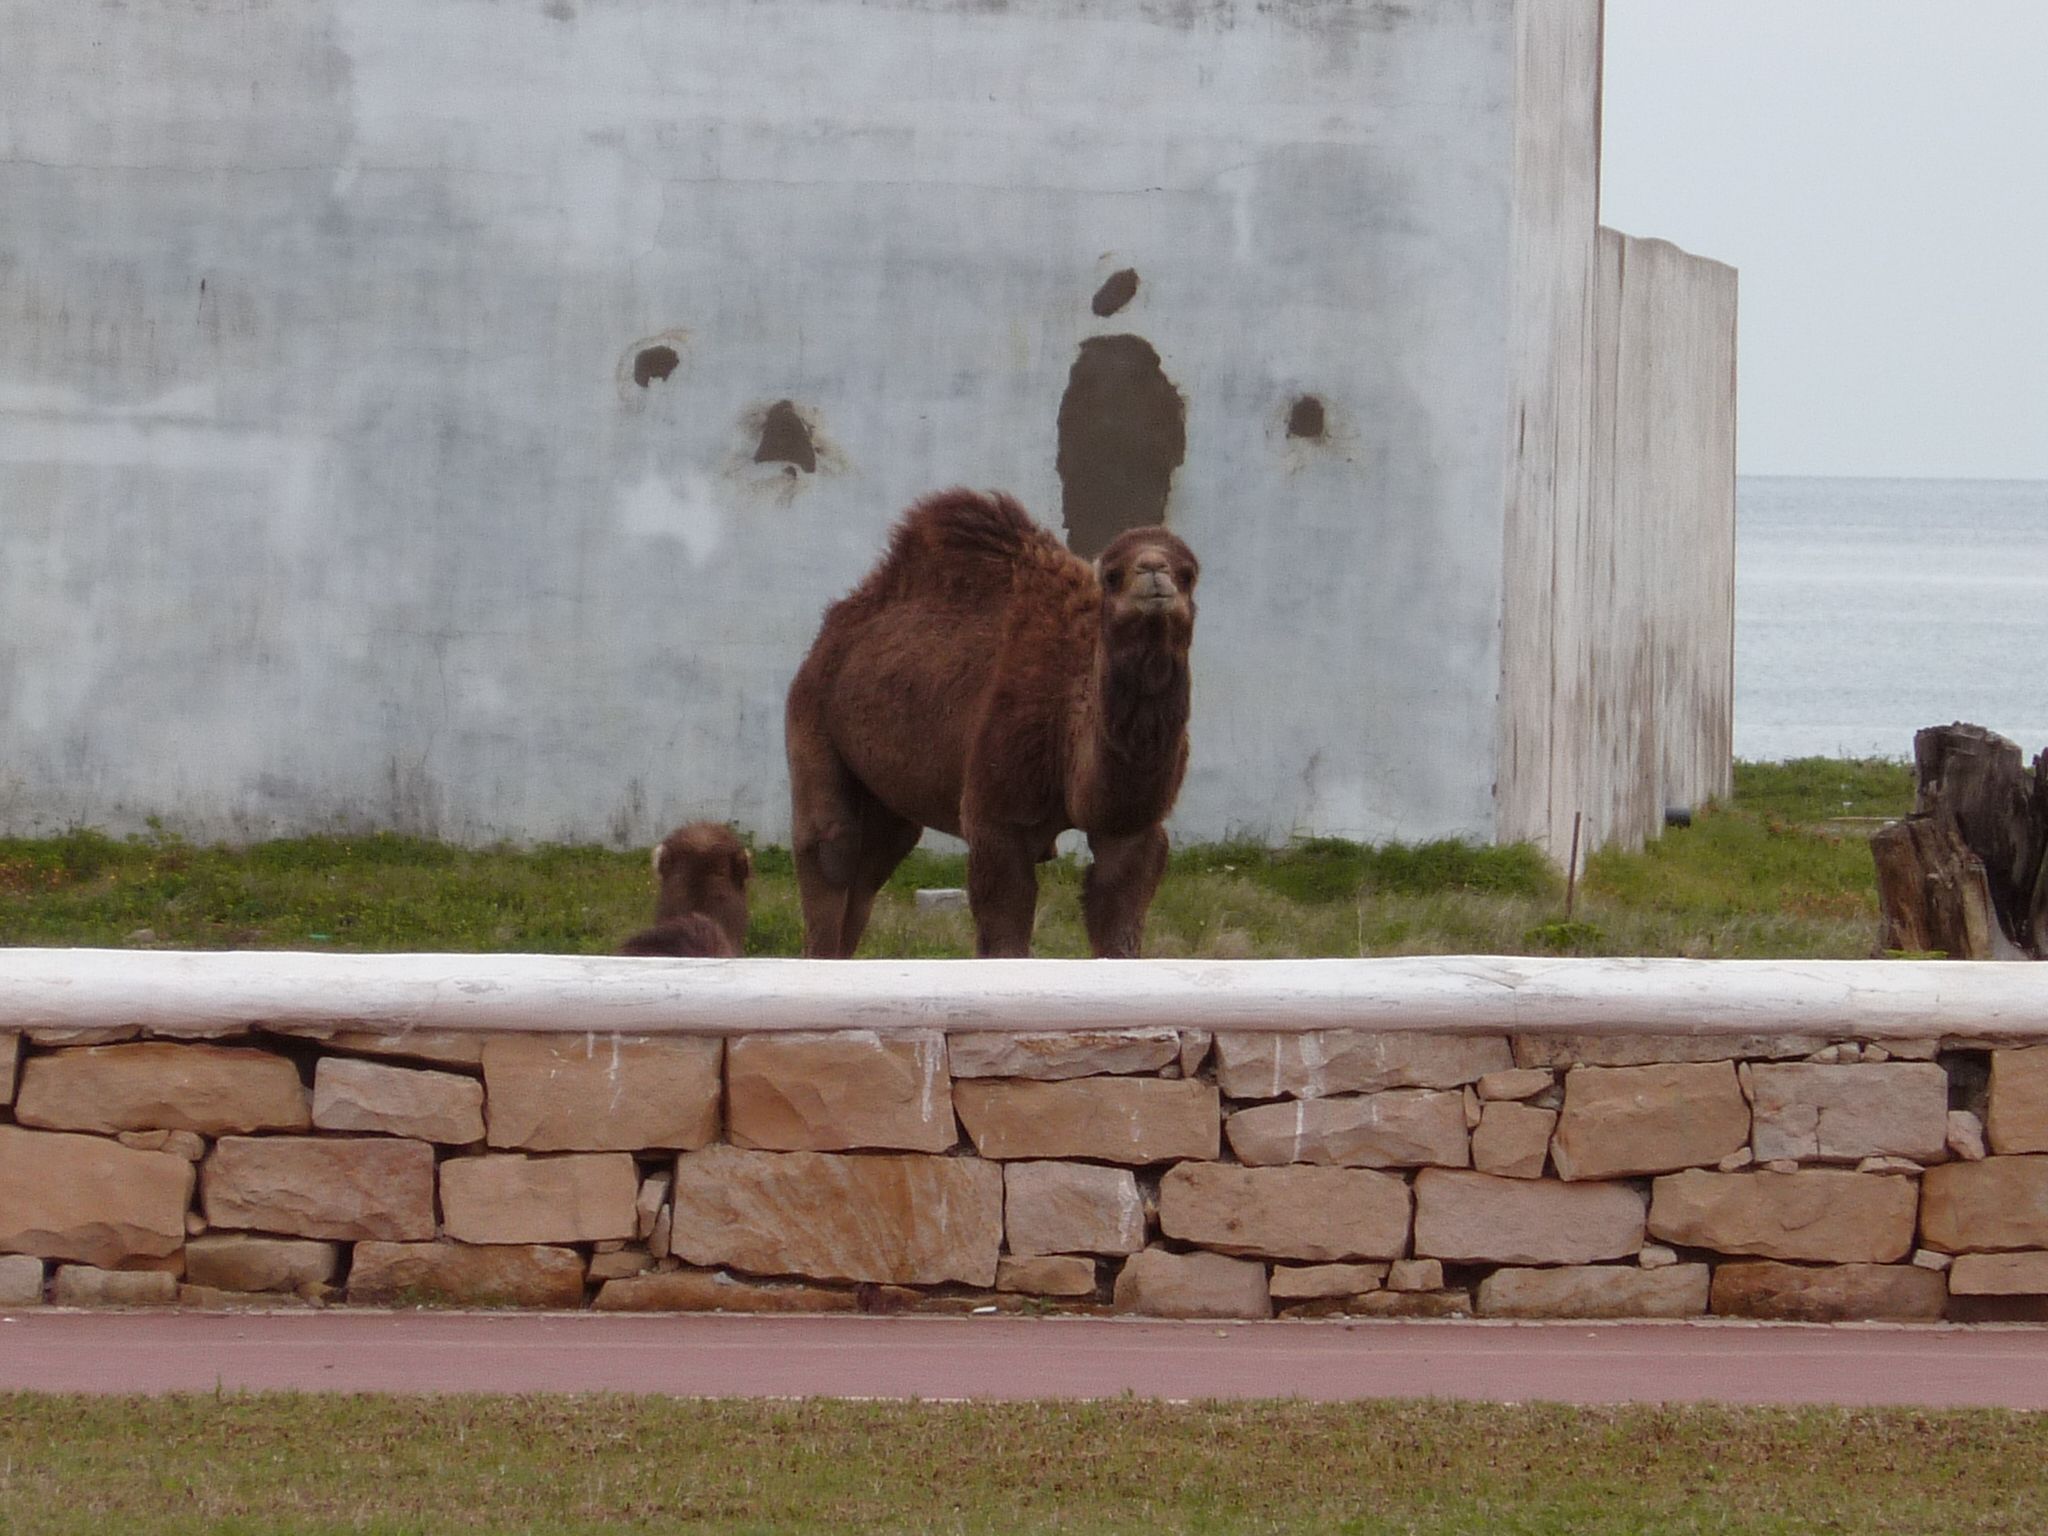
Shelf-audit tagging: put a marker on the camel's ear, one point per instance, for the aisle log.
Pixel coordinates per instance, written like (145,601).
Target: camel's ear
(742,867)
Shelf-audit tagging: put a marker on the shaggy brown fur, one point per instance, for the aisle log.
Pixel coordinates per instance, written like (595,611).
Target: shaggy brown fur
(986,681)
(702,907)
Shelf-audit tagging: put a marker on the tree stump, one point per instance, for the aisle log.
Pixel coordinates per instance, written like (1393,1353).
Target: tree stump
(1965,874)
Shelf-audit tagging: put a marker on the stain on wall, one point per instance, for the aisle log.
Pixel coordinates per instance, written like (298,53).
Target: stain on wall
(1117,291)
(1305,418)
(652,364)
(1122,434)
(786,439)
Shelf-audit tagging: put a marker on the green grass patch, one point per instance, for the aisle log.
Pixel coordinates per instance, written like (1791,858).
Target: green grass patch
(1782,870)
(210,1466)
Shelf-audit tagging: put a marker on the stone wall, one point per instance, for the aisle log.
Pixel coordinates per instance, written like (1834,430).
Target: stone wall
(1151,1171)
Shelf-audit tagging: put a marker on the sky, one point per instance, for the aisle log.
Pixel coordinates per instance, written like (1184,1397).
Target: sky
(1878,170)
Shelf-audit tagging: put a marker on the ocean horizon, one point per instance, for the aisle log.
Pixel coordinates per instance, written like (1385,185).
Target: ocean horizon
(1866,609)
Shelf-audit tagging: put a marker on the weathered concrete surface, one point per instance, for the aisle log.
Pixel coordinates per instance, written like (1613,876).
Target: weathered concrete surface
(397,507)
(899,1219)
(839,1092)
(1317,1214)
(326,1187)
(1476,1218)
(1133,1120)
(214,1090)
(592,1093)
(1321,1062)
(64,1196)
(1829,1293)
(1818,1215)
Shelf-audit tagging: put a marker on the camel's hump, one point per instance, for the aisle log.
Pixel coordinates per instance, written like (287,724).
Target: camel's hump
(959,524)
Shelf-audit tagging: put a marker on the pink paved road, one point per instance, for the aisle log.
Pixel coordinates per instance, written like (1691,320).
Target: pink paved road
(940,1358)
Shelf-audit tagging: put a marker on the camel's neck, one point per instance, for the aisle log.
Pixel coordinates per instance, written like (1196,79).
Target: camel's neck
(1138,752)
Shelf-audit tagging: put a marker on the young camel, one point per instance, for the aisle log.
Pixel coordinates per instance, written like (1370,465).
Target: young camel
(702,906)
(986,681)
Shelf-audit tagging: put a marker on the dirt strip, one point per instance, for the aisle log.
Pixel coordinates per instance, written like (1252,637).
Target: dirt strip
(1013,1358)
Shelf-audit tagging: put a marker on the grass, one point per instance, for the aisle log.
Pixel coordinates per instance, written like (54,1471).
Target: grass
(241,1464)
(1781,870)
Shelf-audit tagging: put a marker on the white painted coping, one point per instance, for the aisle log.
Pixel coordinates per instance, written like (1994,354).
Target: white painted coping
(179,991)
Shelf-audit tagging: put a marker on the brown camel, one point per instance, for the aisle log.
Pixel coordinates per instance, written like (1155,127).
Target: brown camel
(702,906)
(987,681)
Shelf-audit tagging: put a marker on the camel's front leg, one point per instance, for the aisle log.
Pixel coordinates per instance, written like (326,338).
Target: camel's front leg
(1118,889)
(1002,892)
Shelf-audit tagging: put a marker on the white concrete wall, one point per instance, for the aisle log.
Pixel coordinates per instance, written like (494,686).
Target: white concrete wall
(329,501)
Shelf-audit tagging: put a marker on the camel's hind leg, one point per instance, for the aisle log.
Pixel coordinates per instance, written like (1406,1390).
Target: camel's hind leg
(824,832)
(885,841)
(1117,891)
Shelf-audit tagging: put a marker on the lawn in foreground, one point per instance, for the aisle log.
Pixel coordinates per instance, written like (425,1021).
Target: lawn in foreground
(290,1464)
(1782,870)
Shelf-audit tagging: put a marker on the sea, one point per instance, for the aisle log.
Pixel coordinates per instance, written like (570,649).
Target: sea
(1866,609)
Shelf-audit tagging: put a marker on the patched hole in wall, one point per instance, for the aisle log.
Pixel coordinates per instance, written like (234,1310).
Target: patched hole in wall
(1116,292)
(653,364)
(786,439)
(1122,434)
(1305,418)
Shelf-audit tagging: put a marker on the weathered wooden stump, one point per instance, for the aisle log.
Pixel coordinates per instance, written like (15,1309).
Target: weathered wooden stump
(1965,874)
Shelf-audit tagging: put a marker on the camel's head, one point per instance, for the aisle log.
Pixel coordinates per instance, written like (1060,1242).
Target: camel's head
(1148,587)
(703,868)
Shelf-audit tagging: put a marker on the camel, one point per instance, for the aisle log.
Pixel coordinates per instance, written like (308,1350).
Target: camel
(701,909)
(986,681)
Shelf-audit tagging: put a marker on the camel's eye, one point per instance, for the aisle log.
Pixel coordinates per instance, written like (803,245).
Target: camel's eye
(1114,580)
(1185,576)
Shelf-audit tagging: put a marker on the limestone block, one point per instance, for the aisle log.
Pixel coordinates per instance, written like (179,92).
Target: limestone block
(2001,1202)
(647,1204)
(1999,1274)
(2018,1117)
(686,1290)
(1595,1290)
(898,1219)
(85,1198)
(1415,1275)
(1515,1083)
(521,1275)
(1844,1114)
(1834,1293)
(1513,1140)
(839,1091)
(1195,1045)
(1451,1303)
(21,1280)
(601,1093)
(1965,1136)
(1046,1275)
(155,1085)
(1657,1256)
(1306,1282)
(1477,1218)
(1406,1128)
(1619,1121)
(1821,1215)
(1157,1283)
(211,1298)
(10,1053)
(1644,1050)
(617,1266)
(1074,1053)
(443,1107)
(507,1197)
(236,1261)
(1072,1208)
(1327,1061)
(1133,1120)
(81,1285)
(1319,1214)
(442,1047)
(186,1144)
(305,1186)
